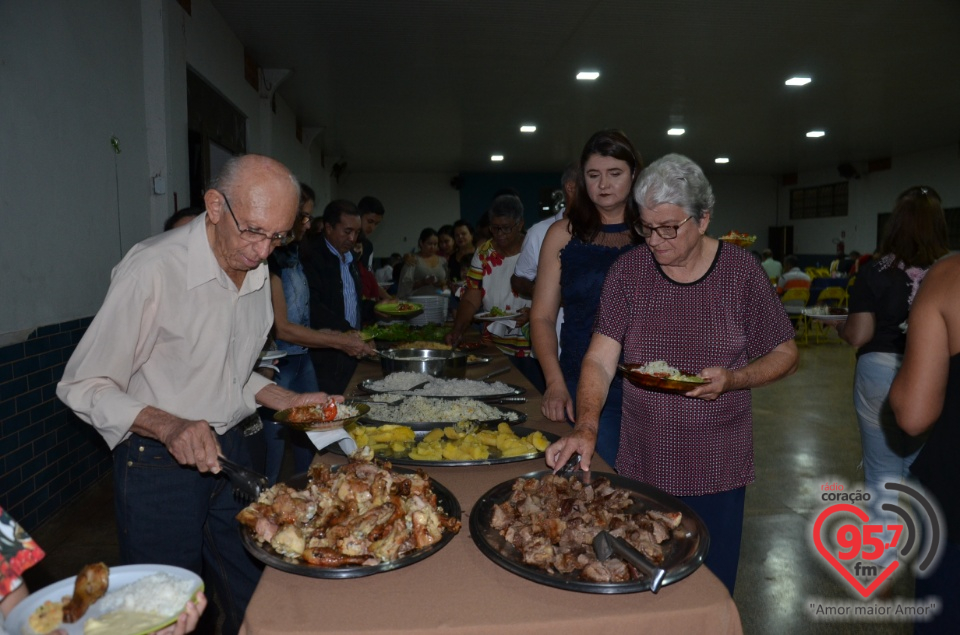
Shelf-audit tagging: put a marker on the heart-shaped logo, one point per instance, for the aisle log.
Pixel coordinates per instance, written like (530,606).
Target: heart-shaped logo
(865,591)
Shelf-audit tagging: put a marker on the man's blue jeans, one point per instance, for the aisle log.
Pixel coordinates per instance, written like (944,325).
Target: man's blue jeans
(174,515)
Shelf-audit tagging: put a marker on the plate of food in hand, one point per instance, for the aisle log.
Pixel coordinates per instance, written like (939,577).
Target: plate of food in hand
(826,313)
(659,376)
(465,443)
(399,309)
(402,383)
(130,599)
(514,524)
(496,313)
(325,416)
(370,518)
(416,411)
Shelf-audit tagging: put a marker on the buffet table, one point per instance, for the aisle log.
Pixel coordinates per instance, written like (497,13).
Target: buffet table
(459,590)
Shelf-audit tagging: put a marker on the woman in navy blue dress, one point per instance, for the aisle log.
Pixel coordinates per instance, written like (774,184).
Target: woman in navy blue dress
(574,258)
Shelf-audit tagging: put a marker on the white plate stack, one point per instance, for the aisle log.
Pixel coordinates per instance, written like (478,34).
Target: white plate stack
(434,309)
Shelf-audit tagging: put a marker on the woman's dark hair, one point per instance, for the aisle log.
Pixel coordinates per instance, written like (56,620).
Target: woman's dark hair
(583,215)
(425,234)
(180,214)
(445,230)
(306,194)
(463,223)
(916,233)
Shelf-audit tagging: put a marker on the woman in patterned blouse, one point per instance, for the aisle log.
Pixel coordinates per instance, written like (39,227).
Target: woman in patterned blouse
(702,306)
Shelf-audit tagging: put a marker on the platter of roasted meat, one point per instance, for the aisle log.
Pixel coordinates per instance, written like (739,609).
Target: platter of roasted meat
(350,521)
(541,527)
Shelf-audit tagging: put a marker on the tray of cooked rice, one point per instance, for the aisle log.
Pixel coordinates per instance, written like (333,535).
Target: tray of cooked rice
(403,382)
(419,411)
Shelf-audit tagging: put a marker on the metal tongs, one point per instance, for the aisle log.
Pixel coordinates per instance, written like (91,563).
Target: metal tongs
(570,466)
(247,484)
(606,544)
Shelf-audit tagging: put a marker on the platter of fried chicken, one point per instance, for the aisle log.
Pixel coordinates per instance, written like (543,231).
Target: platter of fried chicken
(542,526)
(350,521)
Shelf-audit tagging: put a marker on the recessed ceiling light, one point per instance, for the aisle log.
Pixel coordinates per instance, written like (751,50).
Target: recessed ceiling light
(588,75)
(798,81)
(675,132)
(496,157)
(528,128)
(814,134)
(722,160)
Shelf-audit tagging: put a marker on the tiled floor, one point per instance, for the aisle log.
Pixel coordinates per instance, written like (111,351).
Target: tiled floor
(805,434)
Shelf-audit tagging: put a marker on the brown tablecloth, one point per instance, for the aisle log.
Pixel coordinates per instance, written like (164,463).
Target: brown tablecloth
(459,590)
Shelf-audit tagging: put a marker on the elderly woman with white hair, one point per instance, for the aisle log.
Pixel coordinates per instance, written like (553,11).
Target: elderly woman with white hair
(702,306)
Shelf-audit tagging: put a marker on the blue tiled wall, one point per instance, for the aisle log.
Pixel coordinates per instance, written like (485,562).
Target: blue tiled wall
(47,455)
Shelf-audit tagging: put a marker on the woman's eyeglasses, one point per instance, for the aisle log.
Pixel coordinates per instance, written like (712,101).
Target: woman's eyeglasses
(501,229)
(667,232)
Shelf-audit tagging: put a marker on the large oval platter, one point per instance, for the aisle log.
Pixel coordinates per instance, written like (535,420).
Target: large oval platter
(512,391)
(430,425)
(684,556)
(267,555)
(402,459)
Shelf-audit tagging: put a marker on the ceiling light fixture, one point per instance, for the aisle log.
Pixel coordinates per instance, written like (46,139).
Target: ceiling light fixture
(496,157)
(528,128)
(798,81)
(816,134)
(675,132)
(588,75)
(722,160)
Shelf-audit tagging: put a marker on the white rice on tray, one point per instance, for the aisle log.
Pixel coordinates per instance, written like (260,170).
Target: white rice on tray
(160,593)
(659,366)
(427,410)
(438,387)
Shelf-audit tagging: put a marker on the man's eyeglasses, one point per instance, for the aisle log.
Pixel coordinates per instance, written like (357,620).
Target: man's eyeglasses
(664,231)
(501,229)
(254,235)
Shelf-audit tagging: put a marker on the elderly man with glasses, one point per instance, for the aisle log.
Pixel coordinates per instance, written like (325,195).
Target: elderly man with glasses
(164,374)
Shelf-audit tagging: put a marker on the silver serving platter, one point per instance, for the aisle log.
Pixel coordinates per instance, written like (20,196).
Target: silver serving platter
(513,391)
(429,425)
(266,554)
(520,431)
(681,556)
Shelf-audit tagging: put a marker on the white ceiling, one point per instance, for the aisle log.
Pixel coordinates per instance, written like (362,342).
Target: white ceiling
(440,85)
